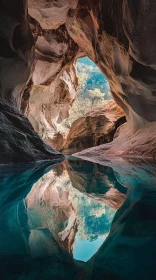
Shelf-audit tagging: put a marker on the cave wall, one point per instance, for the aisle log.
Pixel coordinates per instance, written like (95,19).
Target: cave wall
(54,81)
(18,140)
(16,50)
(113,34)
(119,36)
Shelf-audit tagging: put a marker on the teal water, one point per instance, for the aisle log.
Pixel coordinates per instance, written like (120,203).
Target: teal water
(78,220)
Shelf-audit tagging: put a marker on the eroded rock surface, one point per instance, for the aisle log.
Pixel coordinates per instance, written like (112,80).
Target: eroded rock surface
(116,35)
(51,14)
(49,107)
(119,36)
(54,81)
(19,142)
(95,128)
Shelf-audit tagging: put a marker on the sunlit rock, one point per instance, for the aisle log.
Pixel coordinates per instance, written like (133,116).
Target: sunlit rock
(116,35)
(49,107)
(117,39)
(51,14)
(96,127)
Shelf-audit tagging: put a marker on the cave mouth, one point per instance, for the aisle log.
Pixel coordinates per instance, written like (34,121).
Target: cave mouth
(94,116)
(93,89)
(78,111)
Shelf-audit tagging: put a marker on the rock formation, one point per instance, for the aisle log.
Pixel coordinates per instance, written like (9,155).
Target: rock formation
(119,36)
(54,81)
(117,39)
(95,128)
(19,142)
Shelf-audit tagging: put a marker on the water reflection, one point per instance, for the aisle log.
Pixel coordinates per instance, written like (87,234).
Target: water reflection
(59,222)
(71,203)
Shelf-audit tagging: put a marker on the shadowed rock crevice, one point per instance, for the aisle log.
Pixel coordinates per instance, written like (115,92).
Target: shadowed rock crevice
(19,141)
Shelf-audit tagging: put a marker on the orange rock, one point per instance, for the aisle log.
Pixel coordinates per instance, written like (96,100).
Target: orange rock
(95,128)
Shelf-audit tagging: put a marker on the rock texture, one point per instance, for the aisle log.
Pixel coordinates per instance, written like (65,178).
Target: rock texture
(95,128)
(19,142)
(119,36)
(49,107)
(51,14)
(116,35)
(54,81)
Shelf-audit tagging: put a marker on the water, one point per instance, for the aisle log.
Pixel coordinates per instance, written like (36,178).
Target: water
(78,220)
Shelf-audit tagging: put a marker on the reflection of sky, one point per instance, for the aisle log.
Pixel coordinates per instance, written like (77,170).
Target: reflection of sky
(85,249)
(94,225)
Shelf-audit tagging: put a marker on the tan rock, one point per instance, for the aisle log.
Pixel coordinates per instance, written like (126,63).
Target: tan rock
(49,107)
(95,128)
(51,14)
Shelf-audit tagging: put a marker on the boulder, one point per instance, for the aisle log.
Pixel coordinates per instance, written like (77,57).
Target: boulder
(95,128)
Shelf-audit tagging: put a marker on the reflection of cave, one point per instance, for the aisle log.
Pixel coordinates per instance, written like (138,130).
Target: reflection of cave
(43,222)
(33,245)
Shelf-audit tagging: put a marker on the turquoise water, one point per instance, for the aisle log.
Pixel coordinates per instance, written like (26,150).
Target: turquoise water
(78,220)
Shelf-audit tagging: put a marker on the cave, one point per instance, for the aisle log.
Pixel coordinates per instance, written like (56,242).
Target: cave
(77,205)
(41,43)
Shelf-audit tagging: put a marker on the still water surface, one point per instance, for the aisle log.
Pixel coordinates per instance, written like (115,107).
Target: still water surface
(78,220)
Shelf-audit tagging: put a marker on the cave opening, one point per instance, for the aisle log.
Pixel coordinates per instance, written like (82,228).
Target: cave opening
(93,89)
(77,111)
(94,116)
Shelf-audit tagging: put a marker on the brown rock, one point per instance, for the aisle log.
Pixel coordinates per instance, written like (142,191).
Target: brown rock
(119,36)
(95,128)
(49,107)
(51,14)
(116,36)
(18,141)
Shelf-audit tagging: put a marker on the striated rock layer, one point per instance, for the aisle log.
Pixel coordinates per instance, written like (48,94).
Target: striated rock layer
(18,141)
(49,107)
(95,128)
(54,81)
(119,36)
